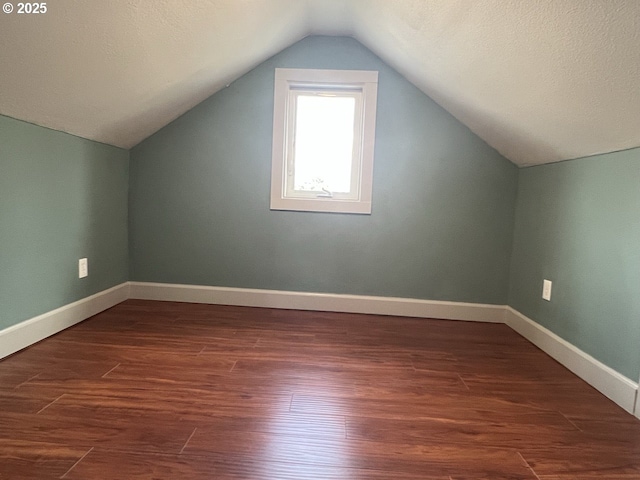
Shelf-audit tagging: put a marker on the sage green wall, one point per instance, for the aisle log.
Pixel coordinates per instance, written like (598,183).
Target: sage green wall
(578,225)
(443,201)
(61,198)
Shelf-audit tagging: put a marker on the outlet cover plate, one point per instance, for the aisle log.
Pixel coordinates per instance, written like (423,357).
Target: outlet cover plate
(546,290)
(83,268)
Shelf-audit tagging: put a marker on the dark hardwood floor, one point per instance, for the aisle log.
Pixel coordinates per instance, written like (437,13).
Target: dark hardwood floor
(157,390)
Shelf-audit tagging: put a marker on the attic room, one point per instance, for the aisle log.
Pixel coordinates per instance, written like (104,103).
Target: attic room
(176,301)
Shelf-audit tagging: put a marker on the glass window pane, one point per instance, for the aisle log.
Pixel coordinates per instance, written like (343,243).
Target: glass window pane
(324,143)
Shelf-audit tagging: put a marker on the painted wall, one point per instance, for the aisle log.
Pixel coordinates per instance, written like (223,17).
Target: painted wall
(443,201)
(61,198)
(578,225)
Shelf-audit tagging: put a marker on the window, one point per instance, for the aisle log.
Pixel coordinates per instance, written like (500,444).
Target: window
(323,139)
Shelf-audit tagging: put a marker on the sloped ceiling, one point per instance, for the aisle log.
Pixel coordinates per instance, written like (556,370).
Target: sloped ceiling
(540,81)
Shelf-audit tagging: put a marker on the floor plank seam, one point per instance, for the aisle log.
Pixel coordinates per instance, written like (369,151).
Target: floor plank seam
(49,404)
(188,440)
(529,466)
(76,464)
(27,381)
(463,382)
(571,422)
(105,375)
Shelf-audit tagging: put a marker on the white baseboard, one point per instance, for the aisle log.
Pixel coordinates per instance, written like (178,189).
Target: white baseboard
(609,382)
(30,331)
(326,302)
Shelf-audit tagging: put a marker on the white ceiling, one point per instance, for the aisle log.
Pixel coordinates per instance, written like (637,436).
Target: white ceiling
(539,80)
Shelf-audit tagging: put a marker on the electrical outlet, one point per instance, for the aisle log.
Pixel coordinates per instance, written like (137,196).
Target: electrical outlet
(546,290)
(83,268)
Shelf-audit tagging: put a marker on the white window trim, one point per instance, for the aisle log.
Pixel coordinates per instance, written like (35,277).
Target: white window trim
(287,80)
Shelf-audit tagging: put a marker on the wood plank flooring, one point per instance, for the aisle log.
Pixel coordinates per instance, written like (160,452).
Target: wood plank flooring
(159,390)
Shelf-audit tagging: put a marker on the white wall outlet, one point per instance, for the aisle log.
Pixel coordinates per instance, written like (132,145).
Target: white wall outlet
(546,290)
(83,268)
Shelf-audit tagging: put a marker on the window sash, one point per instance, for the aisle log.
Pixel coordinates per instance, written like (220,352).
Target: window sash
(356,155)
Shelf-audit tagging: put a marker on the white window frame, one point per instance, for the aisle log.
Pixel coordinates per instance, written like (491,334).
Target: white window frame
(363,86)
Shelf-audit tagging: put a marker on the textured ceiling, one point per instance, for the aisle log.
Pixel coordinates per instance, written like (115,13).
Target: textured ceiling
(540,81)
